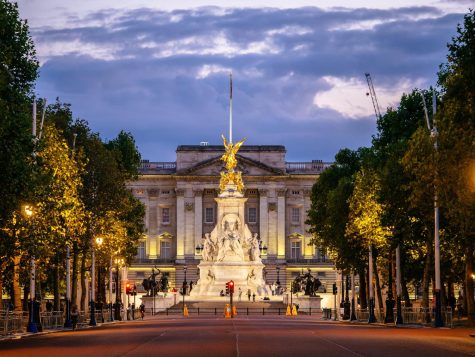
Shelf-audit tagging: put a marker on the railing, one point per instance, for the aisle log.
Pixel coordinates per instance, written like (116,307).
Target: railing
(313,167)
(10,322)
(157,167)
(309,261)
(153,261)
(52,320)
(240,311)
(410,316)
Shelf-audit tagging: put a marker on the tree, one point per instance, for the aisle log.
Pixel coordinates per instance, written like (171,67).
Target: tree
(18,71)
(364,221)
(456,123)
(328,214)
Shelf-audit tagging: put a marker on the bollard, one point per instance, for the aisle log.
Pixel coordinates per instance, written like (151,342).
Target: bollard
(294,310)
(227,311)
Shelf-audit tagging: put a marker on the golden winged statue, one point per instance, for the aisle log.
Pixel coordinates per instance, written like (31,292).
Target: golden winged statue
(229,157)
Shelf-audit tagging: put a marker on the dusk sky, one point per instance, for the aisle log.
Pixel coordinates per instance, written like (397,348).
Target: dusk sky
(160,69)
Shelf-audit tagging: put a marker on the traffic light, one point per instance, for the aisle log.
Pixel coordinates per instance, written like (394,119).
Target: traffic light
(128,288)
(335,289)
(231,287)
(227,288)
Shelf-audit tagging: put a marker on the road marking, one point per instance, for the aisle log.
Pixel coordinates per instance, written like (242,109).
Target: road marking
(237,339)
(337,344)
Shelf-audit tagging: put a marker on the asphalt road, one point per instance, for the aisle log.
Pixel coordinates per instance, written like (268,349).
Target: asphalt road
(243,336)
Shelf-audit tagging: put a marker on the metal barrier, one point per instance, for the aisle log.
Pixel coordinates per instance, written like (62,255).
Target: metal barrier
(10,322)
(240,311)
(410,316)
(52,320)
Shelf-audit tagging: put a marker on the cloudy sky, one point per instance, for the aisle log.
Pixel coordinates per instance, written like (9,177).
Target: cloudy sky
(160,69)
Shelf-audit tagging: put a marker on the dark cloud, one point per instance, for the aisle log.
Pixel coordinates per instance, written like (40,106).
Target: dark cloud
(163,75)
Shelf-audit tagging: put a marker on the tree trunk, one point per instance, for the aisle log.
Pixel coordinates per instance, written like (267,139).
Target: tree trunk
(378,285)
(74,277)
(470,303)
(363,296)
(16,284)
(26,291)
(83,282)
(56,283)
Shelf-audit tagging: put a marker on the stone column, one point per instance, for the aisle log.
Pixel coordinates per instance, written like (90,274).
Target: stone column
(309,250)
(180,224)
(153,214)
(263,217)
(189,226)
(281,223)
(198,216)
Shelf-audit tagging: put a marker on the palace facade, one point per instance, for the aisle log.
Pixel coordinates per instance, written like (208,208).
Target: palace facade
(180,209)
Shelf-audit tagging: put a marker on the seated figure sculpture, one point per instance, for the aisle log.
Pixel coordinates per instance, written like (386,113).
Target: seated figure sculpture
(230,242)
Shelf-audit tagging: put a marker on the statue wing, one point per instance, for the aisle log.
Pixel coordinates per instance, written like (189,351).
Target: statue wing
(238,145)
(225,141)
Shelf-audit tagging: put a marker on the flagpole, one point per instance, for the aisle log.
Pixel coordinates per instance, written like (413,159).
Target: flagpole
(230,108)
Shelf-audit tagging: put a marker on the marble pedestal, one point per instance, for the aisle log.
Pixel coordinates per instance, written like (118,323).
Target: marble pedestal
(214,276)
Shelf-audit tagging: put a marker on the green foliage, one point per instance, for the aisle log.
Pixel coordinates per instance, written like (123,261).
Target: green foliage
(127,154)
(328,214)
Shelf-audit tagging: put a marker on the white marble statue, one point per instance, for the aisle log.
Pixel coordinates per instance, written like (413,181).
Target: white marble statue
(230,242)
(209,249)
(254,251)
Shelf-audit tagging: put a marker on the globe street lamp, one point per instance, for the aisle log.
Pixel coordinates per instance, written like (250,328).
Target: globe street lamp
(32,326)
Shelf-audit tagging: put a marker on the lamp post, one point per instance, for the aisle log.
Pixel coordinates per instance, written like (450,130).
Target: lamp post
(389,318)
(92,303)
(118,290)
(434,134)
(371,318)
(111,317)
(278,276)
(99,241)
(68,322)
(184,288)
(346,304)
(353,294)
(31,327)
(399,319)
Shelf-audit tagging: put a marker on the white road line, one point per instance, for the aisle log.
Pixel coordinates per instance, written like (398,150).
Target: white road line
(337,344)
(237,339)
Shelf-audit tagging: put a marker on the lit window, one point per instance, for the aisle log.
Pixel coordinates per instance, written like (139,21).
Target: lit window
(141,250)
(295,248)
(252,215)
(165,215)
(165,249)
(209,215)
(295,215)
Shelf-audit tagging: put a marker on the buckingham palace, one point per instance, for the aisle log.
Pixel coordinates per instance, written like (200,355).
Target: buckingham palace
(181,209)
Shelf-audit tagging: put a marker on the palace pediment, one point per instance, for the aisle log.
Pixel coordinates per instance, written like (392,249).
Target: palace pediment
(213,167)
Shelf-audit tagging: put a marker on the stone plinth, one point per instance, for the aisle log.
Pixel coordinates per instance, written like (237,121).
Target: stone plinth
(307,302)
(161,302)
(214,276)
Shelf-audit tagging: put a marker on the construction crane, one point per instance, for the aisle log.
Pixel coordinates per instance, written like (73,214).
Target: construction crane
(374,99)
